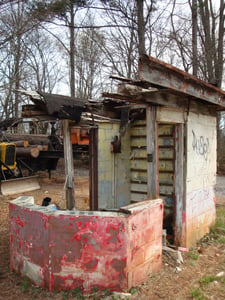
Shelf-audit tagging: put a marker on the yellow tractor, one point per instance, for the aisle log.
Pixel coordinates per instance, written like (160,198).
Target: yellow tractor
(12,172)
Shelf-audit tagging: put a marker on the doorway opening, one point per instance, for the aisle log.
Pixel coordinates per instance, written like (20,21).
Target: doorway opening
(170,168)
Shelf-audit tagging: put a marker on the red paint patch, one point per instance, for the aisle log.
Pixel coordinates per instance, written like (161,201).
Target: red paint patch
(20,222)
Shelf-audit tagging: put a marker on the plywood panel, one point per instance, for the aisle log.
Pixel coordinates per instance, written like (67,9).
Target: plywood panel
(138,164)
(166,178)
(166,153)
(138,153)
(139,187)
(166,190)
(166,141)
(165,129)
(138,142)
(166,165)
(136,131)
(139,175)
(138,123)
(138,197)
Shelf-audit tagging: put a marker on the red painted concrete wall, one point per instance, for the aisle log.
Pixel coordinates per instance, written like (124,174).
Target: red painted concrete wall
(86,250)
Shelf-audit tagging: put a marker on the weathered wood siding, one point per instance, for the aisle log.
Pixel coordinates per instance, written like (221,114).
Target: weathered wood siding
(166,148)
(138,165)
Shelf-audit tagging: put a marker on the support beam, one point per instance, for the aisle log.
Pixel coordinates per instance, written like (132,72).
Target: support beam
(152,153)
(179,181)
(69,169)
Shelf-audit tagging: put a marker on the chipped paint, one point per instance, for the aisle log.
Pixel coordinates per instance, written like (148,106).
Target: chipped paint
(92,250)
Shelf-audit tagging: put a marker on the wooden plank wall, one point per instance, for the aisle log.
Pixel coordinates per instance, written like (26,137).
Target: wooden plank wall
(166,145)
(138,161)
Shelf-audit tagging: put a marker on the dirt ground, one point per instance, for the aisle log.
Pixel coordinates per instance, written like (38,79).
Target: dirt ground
(200,276)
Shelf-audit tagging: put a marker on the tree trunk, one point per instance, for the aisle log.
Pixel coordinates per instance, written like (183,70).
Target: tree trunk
(194,37)
(28,151)
(141,27)
(68,151)
(35,139)
(72,51)
(17,62)
(219,61)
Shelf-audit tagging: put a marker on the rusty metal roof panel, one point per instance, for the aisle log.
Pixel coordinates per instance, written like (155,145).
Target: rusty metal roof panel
(164,75)
(58,106)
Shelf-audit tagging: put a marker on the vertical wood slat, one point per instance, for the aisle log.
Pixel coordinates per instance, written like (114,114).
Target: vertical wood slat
(93,169)
(69,169)
(179,179)
(152,153)
(138,166)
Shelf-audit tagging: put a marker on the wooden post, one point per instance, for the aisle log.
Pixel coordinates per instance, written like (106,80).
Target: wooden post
(69,169)
(152,153)
(179,182)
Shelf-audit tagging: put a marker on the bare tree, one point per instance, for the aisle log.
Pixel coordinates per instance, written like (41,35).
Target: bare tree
(88,63)
(126,41)
(64,11)
(42,70)
(13,24)
(194,10)
(141,27)
(211,32)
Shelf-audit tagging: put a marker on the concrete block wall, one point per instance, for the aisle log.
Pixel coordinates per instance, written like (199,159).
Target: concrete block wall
(63,250)
(113,168)
(145,241)
(199,212)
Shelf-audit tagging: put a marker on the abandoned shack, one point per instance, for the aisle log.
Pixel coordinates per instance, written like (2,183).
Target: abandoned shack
(152,167)
(168,149)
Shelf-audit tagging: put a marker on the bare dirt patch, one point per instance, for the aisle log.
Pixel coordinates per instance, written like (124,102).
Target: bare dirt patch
(195,278)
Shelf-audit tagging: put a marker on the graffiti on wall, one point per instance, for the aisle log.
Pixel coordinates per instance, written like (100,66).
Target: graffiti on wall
(200,201)
(200,145)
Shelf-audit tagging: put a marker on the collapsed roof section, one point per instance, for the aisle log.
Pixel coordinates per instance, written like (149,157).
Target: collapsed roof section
(162,84)
(55,106)
(83,112)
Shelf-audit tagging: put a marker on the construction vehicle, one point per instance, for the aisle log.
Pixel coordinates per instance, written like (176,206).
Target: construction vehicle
(80,141)
(24,154)
(15,175)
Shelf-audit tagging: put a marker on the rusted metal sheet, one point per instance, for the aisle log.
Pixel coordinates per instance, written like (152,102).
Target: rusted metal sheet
(164,75)
(57,106)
